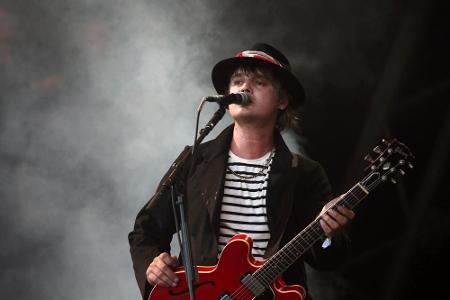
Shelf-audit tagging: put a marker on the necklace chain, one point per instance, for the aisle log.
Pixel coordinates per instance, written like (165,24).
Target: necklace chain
(261,172)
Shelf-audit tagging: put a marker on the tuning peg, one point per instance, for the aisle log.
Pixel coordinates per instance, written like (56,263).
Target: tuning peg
(392,170)
(410,165)
(368,158)
(402,172)
(377,150)
(384,177)
(381,159)
(386,165)
(393,181)
(384,141)
(401,162)
(390,151)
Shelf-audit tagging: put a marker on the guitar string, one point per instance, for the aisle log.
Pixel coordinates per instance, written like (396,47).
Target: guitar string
(309,235)
(245,291)
(315,230)
(242,292)
(357,194)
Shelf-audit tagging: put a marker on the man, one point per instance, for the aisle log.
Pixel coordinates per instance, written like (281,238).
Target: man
(245,181)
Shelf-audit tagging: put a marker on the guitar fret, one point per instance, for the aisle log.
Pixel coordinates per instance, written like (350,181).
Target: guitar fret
(354,196)
(289,253)
(362,188)
(304,240)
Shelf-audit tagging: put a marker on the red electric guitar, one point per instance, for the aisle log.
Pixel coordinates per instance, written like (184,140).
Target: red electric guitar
(239,276)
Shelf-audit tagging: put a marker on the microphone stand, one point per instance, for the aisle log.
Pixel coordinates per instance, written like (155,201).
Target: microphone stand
(169,181)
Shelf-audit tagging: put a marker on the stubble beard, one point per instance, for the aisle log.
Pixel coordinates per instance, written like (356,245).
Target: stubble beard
(252,119)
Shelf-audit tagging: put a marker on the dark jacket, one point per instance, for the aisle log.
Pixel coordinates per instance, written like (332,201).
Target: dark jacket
(297,190)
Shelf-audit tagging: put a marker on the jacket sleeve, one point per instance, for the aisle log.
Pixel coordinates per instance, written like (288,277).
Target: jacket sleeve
(318,194)
(152,233)
(151,236)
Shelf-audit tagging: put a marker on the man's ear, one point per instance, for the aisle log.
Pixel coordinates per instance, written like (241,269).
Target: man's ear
(283,103)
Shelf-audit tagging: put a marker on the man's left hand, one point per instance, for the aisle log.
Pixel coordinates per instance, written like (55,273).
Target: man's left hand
(333,220)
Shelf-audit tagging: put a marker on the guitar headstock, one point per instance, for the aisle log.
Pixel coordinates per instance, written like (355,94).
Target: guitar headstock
(391,159)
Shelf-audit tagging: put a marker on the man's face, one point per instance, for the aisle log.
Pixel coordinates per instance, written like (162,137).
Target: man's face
(264,93)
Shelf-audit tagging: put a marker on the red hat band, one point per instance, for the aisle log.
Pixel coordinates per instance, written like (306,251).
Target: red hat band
(259,55)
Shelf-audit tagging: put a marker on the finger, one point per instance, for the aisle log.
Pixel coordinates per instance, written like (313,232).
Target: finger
(166,270)
(326,229)
(333,224)
(338,217)
(152,278)
(168,260)
(331,203)
(346,212)
(157,277)
(162,274)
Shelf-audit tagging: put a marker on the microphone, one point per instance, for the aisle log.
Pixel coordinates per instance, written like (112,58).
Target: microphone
(238,98)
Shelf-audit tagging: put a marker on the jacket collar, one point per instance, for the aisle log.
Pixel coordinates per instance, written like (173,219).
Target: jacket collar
(221,146)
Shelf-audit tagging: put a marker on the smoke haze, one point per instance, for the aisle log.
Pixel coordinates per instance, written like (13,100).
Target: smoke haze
(98,97)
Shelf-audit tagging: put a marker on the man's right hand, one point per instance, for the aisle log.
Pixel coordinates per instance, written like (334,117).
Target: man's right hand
(160,271)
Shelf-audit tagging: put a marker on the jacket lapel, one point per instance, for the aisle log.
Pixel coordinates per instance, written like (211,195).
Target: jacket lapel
(279,199)
(210,173)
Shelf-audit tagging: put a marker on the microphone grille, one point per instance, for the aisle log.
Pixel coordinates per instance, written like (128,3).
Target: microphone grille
(245,98)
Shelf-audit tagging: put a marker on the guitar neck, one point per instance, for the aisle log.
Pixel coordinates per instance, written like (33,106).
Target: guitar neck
(303,241)
(392,158)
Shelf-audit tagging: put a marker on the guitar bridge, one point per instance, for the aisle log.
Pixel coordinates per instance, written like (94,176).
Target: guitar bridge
(225,297)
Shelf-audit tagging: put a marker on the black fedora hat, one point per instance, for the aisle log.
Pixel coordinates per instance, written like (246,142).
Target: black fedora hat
(265,56)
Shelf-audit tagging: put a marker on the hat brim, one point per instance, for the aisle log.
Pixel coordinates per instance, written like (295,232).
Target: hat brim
(223,70)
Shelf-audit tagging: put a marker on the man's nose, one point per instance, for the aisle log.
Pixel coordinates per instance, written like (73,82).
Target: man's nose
(246,87)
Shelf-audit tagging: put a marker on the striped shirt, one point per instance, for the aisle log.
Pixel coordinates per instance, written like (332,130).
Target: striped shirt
(243,207)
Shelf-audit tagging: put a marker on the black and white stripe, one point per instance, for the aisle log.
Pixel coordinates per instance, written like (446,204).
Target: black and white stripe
(244,202)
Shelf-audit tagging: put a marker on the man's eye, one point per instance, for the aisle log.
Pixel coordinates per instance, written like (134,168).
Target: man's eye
(236,82)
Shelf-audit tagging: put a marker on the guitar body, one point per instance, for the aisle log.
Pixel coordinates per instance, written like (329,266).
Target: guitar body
(223,281)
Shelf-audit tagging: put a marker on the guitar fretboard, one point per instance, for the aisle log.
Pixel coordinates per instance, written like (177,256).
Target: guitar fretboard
(303,241)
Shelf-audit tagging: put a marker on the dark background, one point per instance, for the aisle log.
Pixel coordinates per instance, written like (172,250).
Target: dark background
(98,97)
